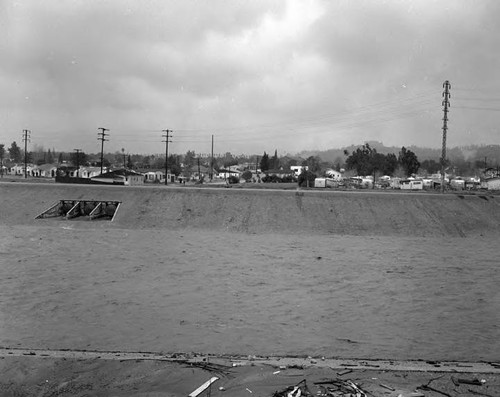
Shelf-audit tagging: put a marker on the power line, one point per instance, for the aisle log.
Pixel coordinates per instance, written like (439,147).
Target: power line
(370,107)
(327,119)
(347,119)
(477,99)
(379,112)
(479,90)
(478,108)
(342,123)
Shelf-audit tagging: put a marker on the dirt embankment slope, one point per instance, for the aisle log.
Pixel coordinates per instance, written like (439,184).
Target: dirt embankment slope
(265,211)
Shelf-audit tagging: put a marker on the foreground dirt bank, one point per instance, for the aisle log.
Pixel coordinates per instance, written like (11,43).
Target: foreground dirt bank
(263,211)
(117,374)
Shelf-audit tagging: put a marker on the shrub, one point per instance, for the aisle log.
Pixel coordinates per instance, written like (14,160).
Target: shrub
(247,176)
(305,177)
(288,179)
(271,179)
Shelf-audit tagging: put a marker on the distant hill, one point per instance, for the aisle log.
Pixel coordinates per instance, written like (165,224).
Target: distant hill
(488,153)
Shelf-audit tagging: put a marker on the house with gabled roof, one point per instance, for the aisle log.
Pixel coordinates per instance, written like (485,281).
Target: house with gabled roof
(280,172)
(47,170)
(18,169)
(227,173)
(152,176)
(119,177)
(89,172)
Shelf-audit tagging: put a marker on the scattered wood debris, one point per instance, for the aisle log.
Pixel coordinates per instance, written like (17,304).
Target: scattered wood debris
(298,390)
(203,387)
(340,388)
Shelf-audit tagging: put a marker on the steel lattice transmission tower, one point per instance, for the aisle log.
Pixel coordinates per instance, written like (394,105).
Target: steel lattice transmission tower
(446,105)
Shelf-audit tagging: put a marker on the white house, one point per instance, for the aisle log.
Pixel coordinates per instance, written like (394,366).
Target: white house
(325,182)
(120,177)
(333,174)
(457,183)
(437,177)
(234,168)
(154,177)
(90,172)
(19,169)
(297,169)
(411,184)
(224,174)
(47,170)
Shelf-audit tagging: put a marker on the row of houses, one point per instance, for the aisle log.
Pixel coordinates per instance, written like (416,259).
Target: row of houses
(50,171)
(84,174)
(412,183)
(333,178)
(150,176)
(44,170)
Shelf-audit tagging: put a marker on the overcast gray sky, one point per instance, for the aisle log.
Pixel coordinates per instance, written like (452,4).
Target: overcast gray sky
(259,75)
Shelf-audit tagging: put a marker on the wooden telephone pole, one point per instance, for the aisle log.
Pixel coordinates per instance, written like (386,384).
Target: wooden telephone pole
(26,138)
(101,136)
(167,137)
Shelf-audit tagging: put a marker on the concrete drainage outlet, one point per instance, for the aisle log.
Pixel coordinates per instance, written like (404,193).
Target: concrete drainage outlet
(82,209)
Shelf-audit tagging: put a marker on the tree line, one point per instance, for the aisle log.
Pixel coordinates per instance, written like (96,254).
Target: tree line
(363,160)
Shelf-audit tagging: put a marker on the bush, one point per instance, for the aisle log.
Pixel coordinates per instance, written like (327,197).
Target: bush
(247,176)
(305,177)
(271,179)
(288,179)
(233,180)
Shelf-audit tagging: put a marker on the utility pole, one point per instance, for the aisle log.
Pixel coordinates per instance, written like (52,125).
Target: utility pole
(101,136)
(123,152)
(2,153)
(167,137)
(212,160)
(26,137)
(77,161)
(199,173)
(446,105)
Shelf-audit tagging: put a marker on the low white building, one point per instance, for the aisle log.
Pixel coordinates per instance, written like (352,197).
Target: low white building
(18,169)
(492,183)
(297,169)
(120,177)
(411,184)
(47,170)
(154,177)
(90,172)
(333,174)
(225,174)
(325,182)
(457,183)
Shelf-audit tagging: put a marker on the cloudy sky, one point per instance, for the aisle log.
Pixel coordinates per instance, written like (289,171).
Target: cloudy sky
(258,75)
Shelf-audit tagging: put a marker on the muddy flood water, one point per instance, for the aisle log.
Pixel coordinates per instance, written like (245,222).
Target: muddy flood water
(62,287)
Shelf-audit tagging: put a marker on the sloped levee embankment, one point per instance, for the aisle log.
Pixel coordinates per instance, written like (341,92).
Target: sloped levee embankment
(264,211)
